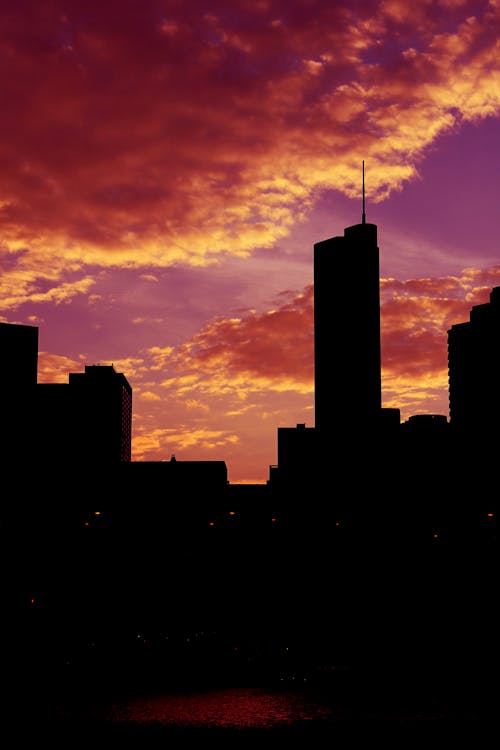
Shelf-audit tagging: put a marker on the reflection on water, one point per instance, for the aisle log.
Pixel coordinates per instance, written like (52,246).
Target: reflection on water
(241,708)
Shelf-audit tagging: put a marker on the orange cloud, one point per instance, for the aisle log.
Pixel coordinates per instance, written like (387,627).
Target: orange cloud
(55,368)
(149,396)
(272,352)
(275,345)
(416,316)
(168,441)
(58,294)
(228,362)
(143,141)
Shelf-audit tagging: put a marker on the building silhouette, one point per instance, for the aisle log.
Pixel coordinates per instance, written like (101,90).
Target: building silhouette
(103,398)
(173,480)
(474,397)
(18,379)
(19,346)
(87,420)
(354,437)
(474,370)
(299,458)
(349,418)
(347,375)
(84,424)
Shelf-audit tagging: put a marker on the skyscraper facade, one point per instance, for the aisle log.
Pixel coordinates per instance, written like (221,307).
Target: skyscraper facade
(347,360)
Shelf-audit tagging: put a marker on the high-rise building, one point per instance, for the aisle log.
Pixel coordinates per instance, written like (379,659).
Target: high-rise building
(347,361)
(87,421)
(347,365)
(18,378)
(474,371)
(19,347)
(102,400)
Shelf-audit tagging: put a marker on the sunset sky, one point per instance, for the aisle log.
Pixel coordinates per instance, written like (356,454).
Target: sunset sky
(166,167)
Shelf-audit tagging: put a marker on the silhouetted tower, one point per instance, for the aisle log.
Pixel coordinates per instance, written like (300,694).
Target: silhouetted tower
(474,371)
(348,391)
(18,379)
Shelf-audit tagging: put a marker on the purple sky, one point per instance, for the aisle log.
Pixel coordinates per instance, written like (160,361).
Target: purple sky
(167,167)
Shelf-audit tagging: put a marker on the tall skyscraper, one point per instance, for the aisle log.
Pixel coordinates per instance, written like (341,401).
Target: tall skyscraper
(474,371)
(347,361)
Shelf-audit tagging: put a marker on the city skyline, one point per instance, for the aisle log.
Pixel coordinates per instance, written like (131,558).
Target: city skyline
(192,271)
(86,423)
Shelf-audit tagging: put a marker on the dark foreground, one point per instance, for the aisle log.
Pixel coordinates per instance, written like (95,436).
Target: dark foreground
(312,720)
(249,627)
(354,732)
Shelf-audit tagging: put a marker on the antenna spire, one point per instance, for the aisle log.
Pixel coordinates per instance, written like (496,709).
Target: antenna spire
(363,217)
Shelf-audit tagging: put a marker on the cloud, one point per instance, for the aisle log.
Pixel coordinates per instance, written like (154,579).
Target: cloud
(134,368)
(142,319)
(416,316)
(233,361)
(148,277)
(30,281)
(151,138)
(169,440)
(55,368)
(149,396)
(192,404)
(275,348)
(270,350)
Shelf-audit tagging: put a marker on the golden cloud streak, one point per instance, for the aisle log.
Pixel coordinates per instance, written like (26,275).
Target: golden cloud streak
(170,440)
(55,368)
